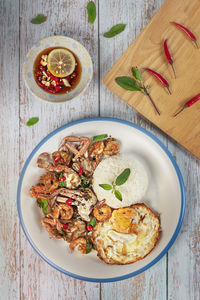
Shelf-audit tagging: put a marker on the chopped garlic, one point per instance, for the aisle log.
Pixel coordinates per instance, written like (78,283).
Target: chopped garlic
(44,57)
(43,62)
(45,83)
(53,83)
(66,82)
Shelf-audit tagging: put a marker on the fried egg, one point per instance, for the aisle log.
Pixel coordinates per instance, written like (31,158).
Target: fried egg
(129,235)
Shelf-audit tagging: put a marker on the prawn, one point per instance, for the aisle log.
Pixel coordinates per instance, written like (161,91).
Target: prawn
(81,243)
(111,147)
(102,212)
(62,211)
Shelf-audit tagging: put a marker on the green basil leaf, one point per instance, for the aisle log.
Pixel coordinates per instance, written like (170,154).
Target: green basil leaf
(106,187)
(118,195)
(39,19)
(44,206)
(39,202)
(88,247)
(114,30)
(128,83)
(91,10)
(136,73)
(99,137)
(122,178)
(43,203)
(92,222)
(60,233)
(32,121)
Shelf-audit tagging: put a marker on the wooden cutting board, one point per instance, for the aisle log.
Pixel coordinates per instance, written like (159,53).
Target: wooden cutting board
(147,51)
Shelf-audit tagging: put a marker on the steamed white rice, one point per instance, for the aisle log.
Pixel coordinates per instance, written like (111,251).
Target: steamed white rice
(133,190)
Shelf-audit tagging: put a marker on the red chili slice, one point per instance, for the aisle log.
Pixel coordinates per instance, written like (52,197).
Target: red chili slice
(89,227)
(65,226)
(62,178)
(69,201)
(57,158)
(80,172)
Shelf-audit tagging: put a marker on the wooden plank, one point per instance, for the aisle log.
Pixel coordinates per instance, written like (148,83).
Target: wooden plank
(152,283)
(184,256)
(147,51)
(9,140)
(38,280)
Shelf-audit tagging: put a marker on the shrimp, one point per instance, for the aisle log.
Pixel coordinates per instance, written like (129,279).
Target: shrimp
(83,140)
(64,157)
(43,160)
(102,213)
(81,243)
(111,147)
(96,152)
(83,200)
(47,184)
(51,226)
(62,211)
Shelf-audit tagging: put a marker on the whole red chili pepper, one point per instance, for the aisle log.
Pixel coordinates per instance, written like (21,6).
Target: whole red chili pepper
(188,104)
(188,32)
(159,77)
(168,56)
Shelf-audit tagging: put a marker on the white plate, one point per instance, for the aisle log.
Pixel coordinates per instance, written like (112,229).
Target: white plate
(58,41)
(165,195)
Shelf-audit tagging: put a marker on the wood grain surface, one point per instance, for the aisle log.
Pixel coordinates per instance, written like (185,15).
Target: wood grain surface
(23,275)
(147,51)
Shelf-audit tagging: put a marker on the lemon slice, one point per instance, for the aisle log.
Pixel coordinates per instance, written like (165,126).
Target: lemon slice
(61,62)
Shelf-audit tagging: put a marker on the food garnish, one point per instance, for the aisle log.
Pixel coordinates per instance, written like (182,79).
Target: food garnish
(106,187)
(160,78)
(99,137)
(121,179)
(61,62)
(131,84)
(118,195)
(91,10)
(62,180)
(39,19)
(89,247)
(42,203)
(32,121)
(188,32)
(114,30)
(85,183)
(168,56)
(92,222)
(188,104)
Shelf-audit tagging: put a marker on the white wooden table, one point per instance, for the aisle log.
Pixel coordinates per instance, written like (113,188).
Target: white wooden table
(23,275)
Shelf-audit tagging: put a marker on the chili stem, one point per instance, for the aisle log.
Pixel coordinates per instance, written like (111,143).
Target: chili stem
(179,111)
(172,65)
(168,90)
(195,41)
(149,96)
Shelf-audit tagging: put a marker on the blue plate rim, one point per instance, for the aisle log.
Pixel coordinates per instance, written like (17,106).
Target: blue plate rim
(181,183)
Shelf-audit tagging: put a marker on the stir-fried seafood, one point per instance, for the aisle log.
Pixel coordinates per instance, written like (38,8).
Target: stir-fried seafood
(70,203)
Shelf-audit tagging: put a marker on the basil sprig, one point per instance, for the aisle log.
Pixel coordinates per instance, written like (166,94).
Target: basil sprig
(121,179)
(91,10)
(99,137)
(43,203)
(136,84)
(114,30)
(106,187)
(39,19)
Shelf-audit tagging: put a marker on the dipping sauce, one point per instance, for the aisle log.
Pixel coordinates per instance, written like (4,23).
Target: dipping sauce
(57,59)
